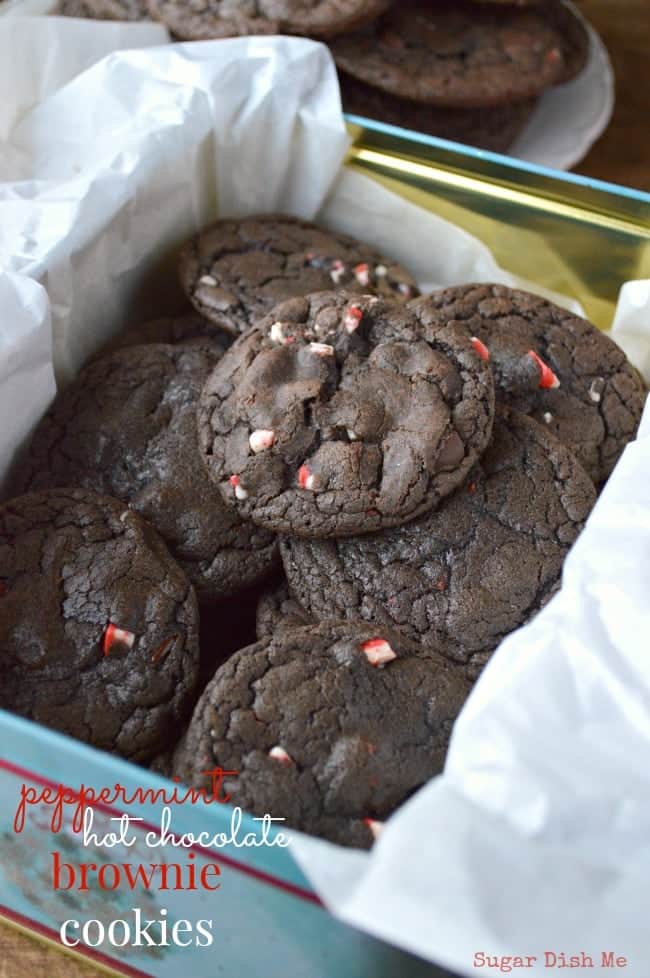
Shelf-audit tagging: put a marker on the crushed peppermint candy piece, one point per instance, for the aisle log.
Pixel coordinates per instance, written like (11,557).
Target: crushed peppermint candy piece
(163,648)
(362,273)
(278,335)
(240,492)
(547,379)
(337,271)
(480,348)
(261,439)
(375,827)
(352,318)
(113,635)
(595,394)
(381,271)
(405,289)
(352,435)
(278,753)
(306,479)
(207,280)
(322,349)
(548,417)
(378,652)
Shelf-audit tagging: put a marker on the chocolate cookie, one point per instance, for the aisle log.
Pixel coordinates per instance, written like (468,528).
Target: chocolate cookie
(189,327)
(341,414)
(127,427)
(73,8)
(235,271)
(98,625)
(277,609)
(202,20)
(461,578)
(494,128)
(119,9)
(552,365)
(330,727)
(459,54)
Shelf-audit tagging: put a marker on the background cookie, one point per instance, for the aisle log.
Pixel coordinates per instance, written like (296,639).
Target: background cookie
(490,128)
(127,427)
(235,271)
(205,19)
(276,609)
(98,625)
(341,414)
(461,578)
(463,54)
(189,327)
(597,406)
(327,726)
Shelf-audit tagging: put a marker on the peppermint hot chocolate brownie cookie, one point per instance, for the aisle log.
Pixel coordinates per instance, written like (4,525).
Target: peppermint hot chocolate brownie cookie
(461,54)
(127,427)
(189,327)
(461,578)
(493,128)
(552,365)
(202,20)
(235,271)
(330,727)
(340,414)
(98,625)
(104,9)
(277,609)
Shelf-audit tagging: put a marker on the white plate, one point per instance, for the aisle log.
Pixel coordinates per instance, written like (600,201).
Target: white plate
(565,125)
(570,118)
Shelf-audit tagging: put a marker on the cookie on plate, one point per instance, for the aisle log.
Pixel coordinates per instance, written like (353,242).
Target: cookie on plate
(127,427)
(98,624)
(203,20)
(461,578)
(455,53)
(330,727)
(553,365)
(341,414)
(234,272)
(493,128)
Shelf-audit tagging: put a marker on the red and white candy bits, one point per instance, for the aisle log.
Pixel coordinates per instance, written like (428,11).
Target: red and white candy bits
(115,636)
(480,348)
(240,492)
(278,753)
(362,273)
(352,318)
(261,439)
(375,827)
(322,349)
(547,379)
(378,652)
(337,271)
(306,479)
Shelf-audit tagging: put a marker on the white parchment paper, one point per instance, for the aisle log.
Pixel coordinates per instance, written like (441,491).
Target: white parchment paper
(537,836)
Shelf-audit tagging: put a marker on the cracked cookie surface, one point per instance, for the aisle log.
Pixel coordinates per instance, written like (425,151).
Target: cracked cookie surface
(104,9)
(340,414)
(235,272)
(461,54)
(200,20)
(98,624)
(461,578)
(319,735)
(126,427)
(277,609)
(595,403)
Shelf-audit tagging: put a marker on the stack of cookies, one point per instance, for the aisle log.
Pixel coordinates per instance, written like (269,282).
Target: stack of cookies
(381,484)
(460,69)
